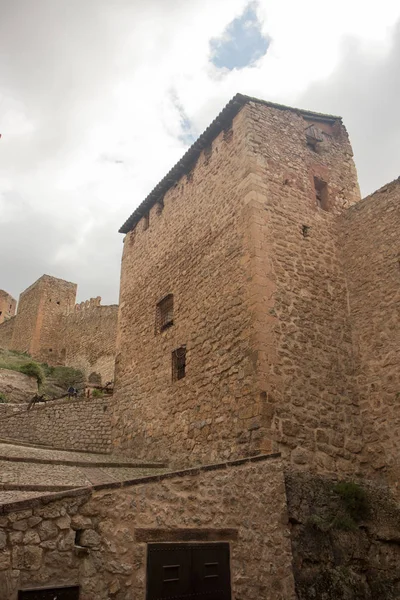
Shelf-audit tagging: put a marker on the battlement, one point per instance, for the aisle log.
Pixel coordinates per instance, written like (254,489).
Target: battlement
(88,304)
(52,328)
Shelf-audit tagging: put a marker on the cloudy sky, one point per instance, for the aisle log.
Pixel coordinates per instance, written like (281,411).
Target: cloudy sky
(99,98)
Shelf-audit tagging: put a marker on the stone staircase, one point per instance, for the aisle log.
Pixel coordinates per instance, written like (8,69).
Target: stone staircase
(28,471)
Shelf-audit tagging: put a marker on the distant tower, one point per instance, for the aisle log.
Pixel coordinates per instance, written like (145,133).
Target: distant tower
(41,308)
(7,306)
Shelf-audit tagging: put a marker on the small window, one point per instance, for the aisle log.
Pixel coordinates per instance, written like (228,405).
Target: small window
(321,193)
(146,221)
(179,363)
(165,313)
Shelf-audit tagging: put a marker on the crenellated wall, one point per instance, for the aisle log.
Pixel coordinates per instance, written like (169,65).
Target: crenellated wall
(53,329)
(89,338)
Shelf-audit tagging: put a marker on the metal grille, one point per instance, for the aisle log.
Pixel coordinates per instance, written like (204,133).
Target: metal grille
(185,571)
(60,593)
(179,363)
(165,313)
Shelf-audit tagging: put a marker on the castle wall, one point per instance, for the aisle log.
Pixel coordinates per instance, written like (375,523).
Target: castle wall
(81,424)
(6,332)
(8,306)
(41,309)
(40,545)
(193,249)
(370,239)
(89,338)
(304,346)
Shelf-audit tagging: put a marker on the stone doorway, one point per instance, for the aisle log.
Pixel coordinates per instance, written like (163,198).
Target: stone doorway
(199,571)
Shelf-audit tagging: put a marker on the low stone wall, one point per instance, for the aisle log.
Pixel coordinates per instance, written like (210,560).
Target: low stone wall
(16,386)
(82,424)
(242,504)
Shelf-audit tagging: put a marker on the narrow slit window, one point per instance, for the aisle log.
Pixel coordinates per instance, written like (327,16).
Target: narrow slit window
(146,221)
(179,363)
(165,313)
(321,193)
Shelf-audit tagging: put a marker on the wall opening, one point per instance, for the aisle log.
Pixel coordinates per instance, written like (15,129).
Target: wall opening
(146,221)
(60,593)
(321,193)
(179,363)
(165,313)
(188,571)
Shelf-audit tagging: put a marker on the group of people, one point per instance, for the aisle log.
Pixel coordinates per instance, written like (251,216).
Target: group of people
(72,392)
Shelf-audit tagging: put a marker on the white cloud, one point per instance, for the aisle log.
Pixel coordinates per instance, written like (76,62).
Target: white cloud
(91,103)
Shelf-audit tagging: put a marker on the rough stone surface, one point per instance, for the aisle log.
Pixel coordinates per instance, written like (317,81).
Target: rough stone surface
(249,498)
(370,233)
(82,424)
(52,329)
(8,306)
(261,309)
(17,387)
(331,562)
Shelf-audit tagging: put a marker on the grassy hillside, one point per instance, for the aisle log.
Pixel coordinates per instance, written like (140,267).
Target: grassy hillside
(52,381)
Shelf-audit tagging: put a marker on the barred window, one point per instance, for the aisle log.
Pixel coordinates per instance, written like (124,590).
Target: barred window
(179,363)
(165,313)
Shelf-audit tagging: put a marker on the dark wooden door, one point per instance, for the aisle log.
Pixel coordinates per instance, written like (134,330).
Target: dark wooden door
(61,593)
(184,571)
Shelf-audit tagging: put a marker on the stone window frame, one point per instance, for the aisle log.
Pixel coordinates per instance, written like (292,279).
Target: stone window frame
(165,313)
(321,191)
(179,363)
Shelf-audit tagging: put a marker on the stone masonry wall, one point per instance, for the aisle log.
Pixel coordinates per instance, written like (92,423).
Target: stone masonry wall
(7,306)
(193,249)
(41,309)
(303,342)
(242,504)
(65,424)
(6,332)
(89,339)
(371,248)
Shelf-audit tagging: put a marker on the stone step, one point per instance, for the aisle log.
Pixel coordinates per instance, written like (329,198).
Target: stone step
(17,452)
(28,476)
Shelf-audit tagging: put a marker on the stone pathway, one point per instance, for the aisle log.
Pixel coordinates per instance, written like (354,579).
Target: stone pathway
(24,453)
(27,472)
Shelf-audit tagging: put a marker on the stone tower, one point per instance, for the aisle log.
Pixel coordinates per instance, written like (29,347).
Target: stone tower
(41,308)
(235,322)
(8,306)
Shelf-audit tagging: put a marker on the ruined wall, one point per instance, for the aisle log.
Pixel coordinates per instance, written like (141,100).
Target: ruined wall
(65,424)
(40,316)
(6,332)
(303,340)
(89,339)
(242,504)
(371,248)
(192,248)
(8,306)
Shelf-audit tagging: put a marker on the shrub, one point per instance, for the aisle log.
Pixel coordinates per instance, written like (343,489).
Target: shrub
(97,393)
(3,398)
(34,370)
(354,499)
